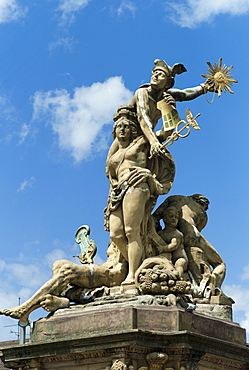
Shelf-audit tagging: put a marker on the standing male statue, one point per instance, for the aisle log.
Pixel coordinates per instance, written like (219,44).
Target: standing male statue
(160,87)
(144,102)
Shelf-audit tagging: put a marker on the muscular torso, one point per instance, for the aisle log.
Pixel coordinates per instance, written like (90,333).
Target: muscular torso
(135,155)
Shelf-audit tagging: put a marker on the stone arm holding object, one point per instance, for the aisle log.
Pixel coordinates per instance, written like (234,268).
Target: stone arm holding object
(145,99)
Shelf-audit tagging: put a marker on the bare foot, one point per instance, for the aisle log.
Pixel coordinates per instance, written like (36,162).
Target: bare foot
(52,303)
(130,279)
(18,312)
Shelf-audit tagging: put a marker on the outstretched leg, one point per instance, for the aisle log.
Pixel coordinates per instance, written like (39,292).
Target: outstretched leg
(64,273)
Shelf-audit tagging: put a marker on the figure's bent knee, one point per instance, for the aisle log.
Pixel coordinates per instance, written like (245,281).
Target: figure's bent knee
(181,262)
(132,231)
(116,235)
(58,264)
(67,270)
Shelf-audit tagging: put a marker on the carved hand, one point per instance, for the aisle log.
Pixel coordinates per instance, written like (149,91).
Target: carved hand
(208,86)
(155,149)
(138,175)
(169,99)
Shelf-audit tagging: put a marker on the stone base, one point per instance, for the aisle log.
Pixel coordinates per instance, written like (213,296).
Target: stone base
(111,319)
(130,336)
(223,312)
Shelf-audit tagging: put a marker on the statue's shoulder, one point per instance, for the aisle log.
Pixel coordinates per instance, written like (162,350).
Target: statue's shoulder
(143,89)
(141,93)
(144,86)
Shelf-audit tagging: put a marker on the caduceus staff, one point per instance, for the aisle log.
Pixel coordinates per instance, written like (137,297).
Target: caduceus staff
(219,79)
(172,120)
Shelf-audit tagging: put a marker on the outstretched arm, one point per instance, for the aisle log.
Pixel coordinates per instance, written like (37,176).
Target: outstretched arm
(187,94)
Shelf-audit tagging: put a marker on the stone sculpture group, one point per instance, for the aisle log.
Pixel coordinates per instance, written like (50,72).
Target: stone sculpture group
(175,262)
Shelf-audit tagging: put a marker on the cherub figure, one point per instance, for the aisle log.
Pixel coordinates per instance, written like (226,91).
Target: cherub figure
(192,219)
(173,248)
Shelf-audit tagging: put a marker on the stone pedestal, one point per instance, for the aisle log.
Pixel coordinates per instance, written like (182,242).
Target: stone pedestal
(130,335)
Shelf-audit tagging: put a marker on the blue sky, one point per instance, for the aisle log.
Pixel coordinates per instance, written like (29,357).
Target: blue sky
(65,66)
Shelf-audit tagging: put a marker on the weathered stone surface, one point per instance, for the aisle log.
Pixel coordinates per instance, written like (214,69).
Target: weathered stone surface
(186,340)
(223,312)
(72,323)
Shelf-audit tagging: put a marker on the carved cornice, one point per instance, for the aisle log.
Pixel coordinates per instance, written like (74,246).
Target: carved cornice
(75,356)
(128,350)
(223,362)
(132,343)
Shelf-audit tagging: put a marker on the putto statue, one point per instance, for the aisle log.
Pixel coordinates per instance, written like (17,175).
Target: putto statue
(176,263)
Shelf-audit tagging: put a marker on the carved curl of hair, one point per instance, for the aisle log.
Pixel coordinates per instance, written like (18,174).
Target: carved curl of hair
(171,208)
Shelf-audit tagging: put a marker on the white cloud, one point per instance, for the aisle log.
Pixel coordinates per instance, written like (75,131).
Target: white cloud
(2,265)
(69,7)
(21,280)
(18,281)
(26,184)
(127,5)
(9,297)
(193,12)
(17,130)
(23,133)
(67,43)
(8,111)
(27,275)
(241,307)
(78,121)
(10,10)
(245,275)
(55,255)
(13,128)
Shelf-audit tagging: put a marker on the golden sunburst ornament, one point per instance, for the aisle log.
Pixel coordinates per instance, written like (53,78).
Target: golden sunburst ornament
(218,78)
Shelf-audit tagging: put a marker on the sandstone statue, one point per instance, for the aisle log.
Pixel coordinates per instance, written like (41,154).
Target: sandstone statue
(177,262)
(146,98)
(133,189)
(193,218)
(67,274)
(173,248)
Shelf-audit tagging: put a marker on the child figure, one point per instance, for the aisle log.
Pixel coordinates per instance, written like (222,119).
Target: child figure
(173,250)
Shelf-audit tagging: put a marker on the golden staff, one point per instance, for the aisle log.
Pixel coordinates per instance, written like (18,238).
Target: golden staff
(191,122)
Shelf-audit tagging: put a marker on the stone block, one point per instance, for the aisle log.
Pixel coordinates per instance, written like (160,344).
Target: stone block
(73,323)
